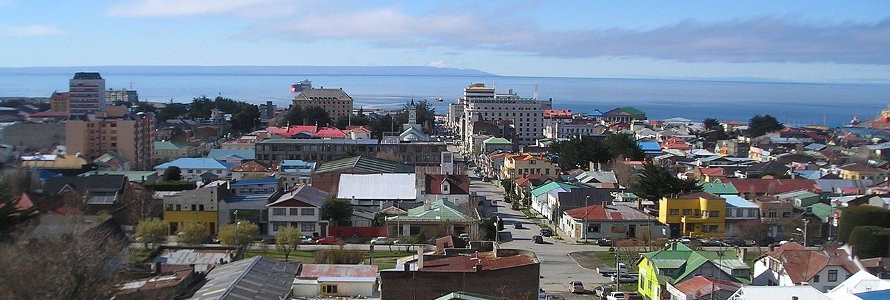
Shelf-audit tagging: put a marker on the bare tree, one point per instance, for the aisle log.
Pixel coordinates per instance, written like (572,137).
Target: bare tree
(137,204)
(65,266)
(624,173)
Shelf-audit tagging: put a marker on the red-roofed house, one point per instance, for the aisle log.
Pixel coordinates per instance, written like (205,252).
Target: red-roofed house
(610,221)
(252,170)
(307,130)
(791,264)
(701,287)
(330,133)
(454,188)
(329,280)
(675,143)
(358,132)
(749,187)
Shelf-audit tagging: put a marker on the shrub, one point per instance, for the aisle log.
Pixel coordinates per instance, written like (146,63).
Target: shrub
(863,215)
(870,241)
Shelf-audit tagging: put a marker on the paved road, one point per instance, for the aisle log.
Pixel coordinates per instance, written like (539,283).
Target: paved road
(557,268)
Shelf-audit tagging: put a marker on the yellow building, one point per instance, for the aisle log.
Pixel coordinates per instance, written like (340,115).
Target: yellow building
(199,205)
(519,165)
(175,219)
(858,171)
(696,215)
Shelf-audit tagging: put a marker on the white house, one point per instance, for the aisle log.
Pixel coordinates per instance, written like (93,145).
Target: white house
(299,208)
(454,188)
(860,282)
(197,169)
(791,264)
(610,221)
(328,280)
(803,292)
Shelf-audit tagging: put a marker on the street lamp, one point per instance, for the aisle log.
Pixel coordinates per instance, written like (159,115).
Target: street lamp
(803,231)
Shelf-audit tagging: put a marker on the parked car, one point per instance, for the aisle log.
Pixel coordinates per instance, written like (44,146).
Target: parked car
(624,278)
(517,225)
(546,232)
(736,242)
(624,296)
(609,271)
(307,240)
(381,240)
(603,242)
(538,239)
(603,290)
(269,240)
(576,287)
(711,242)
(328,240)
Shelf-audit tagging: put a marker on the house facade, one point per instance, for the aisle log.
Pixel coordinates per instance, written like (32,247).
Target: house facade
(615,222)
(192,169)
(677,263)
(518,165)
(698,215)
(791,264)
(199,205)
(430,219)
(299,208)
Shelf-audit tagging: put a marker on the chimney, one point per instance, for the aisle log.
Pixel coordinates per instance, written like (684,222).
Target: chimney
(426,205)
(420,257)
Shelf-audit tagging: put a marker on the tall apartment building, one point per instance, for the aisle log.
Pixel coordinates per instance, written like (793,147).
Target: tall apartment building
(526,114)
(58,102)
(86,93)
(112,130)
(122,95)
(334,101)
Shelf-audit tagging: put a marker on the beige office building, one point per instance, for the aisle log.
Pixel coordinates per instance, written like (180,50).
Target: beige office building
(336,102)
(113,130)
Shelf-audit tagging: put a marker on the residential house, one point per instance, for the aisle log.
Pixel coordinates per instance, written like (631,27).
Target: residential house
(201,258)
(328,280)
(861,282)
(678,263)
(719,188)
(650,148)
(701,287)
(739,213)
(878,266)
(697,214)
(197,169)
(165,285)
(98,192)
(863,171)
(518,165)
(777,214)
(523,186)
(750,292)
(292,173)
(59,163)
(792,264)
(616,222)
(299,208)
(165,151)
(140,177)
(232,157)
(504,273)
(327,176)
(708,174)
(552,199)
(624,114)
(750,188)
(371,189)
(799,198)
(496,143)
(253,278)
(433,219)
(492,163)
(198,205)
(251,170)
(247,201)
(454,188)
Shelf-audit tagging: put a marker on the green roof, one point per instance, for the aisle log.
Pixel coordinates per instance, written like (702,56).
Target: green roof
(552,186)
(718,188)
(690,260)
(442,210)
(821,210)
(166,145)
(372,164)
(632,110)
(497,141)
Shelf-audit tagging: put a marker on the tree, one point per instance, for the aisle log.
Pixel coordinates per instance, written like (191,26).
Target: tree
(151,231)
(315,115)
(656,182)
(172,111)
(862,215)
(12,185)
(425,114)
(354,120)
(339,212)
(191,233)
(172,174)
(764,124)
(507,184)
(245,119)
(239,234)
(712,124)
(870,241)
(293,116)
(287,240)
(623,145)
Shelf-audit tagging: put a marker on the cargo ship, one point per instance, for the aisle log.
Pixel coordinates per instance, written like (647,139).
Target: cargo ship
(301,86)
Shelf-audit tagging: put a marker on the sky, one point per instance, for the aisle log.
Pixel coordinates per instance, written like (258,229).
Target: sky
(820,41)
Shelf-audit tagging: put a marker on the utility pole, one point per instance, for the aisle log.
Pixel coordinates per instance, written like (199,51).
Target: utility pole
(805,222)
(586,213)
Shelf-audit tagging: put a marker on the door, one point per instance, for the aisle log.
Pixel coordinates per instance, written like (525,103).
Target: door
(632,231)
(323,229)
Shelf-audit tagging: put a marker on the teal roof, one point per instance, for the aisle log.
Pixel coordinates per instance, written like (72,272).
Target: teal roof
(632,110)
(821,210)
(497,141)
(367,163)
(442,210)
(688,260)
(552,186)
(166,145)
(718,188)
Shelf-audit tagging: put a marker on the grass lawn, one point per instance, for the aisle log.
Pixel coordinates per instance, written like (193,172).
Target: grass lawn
(383,259)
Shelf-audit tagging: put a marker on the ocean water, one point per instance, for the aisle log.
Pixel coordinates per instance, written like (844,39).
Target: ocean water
(791,103)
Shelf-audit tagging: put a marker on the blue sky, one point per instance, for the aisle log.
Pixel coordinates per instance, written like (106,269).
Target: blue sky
(845,41)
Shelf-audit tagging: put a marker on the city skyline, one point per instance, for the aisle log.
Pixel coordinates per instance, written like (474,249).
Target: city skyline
(796,41)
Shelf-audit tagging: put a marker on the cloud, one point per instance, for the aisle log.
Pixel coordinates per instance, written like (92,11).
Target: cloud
(436,64)
(33,31)
(763,39)
(172,8)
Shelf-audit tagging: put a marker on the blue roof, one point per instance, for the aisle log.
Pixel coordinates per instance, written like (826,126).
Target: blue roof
(739,202)
(251,197)
(297,166)
(809,174)
(224,153)
(195,163)
(271,180)
(647,146)
(297,163)
(596,113)
(874,295)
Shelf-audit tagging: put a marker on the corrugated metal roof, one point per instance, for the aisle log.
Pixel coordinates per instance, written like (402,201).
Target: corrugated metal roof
(367,163)
(378,186)
(253,278)
(195,163)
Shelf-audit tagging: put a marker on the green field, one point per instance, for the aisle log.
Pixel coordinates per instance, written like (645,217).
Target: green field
(383,259)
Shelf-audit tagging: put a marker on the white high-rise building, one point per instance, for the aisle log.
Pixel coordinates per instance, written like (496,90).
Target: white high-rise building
(86,93)
(482,104)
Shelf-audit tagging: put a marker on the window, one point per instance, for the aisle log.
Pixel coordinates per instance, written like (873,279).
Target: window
(751,213)
(832,275)
(771,214)
(729,212)
(593,227)
(168,207)
(278,211)
(307,227)
(307,211)
(786,214)
(714,213)
(201,207)
(687,212)
(276,226)
(294,211)
(816,279)
(178,207)
(674,212)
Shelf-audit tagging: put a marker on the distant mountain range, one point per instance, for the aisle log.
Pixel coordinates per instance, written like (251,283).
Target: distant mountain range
(251,70)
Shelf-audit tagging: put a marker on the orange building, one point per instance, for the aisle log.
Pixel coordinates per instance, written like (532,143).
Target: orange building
(113,130)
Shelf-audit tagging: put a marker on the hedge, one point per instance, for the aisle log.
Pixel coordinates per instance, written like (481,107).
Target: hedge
(862,215)
(870,241)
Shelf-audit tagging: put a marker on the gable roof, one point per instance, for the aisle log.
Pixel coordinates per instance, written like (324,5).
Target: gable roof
(304,193)
(195,163)
(327,272)
(544,189)
(441,210)
(497,141)
(679,256)
(253,278)
(738,202)
(292,130)
(699,286)
(330,132)
(252,166)
(366,163)
(106,183)
(772,186)
(167,145)
(613,213)
(862,168)
(802,264)
(234,153)
(460,184)
(719,188)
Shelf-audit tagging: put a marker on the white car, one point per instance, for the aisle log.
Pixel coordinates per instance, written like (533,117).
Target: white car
(625,278)
(382,240)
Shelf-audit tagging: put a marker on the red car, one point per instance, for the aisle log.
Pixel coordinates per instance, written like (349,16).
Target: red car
(328,240)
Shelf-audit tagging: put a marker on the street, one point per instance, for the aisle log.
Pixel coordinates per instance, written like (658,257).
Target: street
(557,268)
